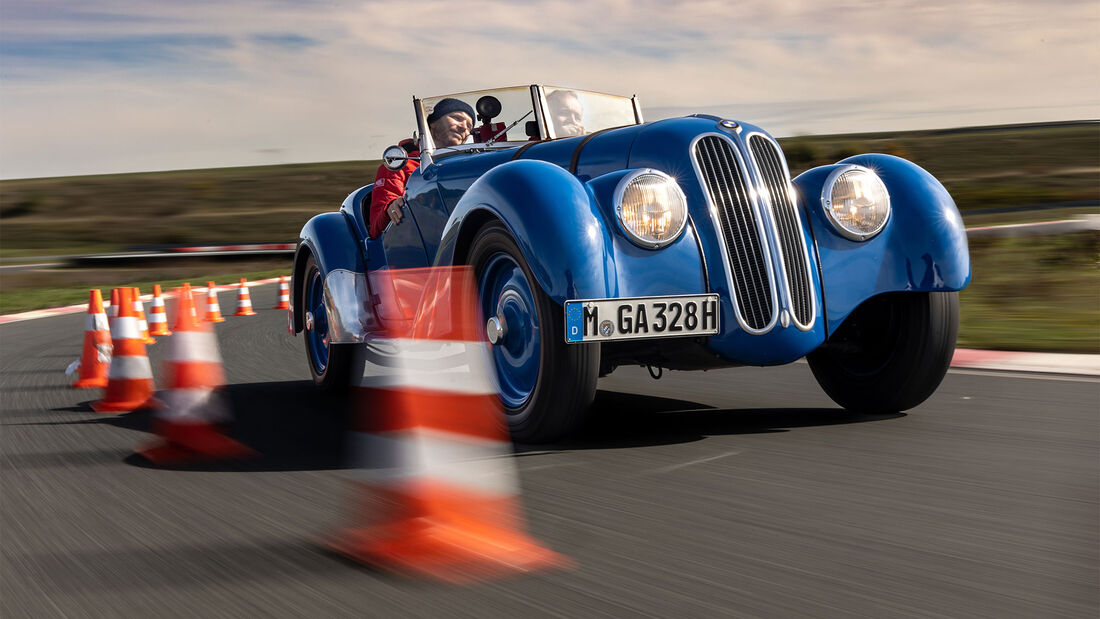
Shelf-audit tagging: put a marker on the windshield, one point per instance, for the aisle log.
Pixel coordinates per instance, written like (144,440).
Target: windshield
(580,112)
(502,115)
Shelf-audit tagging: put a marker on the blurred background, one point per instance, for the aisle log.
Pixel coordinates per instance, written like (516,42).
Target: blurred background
(151,123)
(148,125)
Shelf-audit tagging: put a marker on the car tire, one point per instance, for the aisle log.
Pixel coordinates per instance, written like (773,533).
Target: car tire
(330,364)
(891,353)
(546,385)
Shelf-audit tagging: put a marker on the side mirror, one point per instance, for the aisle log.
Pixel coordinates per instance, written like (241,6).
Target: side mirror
(395,158)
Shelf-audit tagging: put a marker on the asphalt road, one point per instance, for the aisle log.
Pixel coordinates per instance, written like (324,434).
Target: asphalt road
(728,493)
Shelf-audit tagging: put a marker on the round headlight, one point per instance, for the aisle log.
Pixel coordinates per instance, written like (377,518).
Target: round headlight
(651,208)
(856,202)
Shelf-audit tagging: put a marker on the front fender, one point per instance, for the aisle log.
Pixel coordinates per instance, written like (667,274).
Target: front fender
(331,240)
(569,235)
(552,218)
(922,248)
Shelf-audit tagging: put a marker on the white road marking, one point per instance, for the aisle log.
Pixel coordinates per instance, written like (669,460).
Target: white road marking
(548,466)
(674,467)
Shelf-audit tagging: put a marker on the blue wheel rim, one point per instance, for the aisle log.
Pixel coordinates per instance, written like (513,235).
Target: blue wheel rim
(317,337)
(505,292)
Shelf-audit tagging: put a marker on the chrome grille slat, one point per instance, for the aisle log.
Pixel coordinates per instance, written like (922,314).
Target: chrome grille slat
(729,192)
(791,244)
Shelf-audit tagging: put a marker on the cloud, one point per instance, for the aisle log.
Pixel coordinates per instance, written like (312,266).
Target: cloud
(151,84)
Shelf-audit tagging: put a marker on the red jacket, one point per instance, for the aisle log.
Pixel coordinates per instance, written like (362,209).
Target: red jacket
(388,186)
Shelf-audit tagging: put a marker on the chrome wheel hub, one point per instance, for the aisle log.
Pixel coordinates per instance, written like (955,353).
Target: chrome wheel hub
(495,329)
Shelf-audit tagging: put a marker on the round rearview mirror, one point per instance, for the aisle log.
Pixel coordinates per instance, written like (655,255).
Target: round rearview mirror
(395,158)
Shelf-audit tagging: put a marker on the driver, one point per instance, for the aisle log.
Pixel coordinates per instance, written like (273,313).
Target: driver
(450,123)
(567,113)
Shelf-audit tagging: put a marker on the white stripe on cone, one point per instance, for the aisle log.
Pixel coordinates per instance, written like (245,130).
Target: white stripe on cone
(396,458)
(125,328)
(157,317)
(432,365)
(194,346)
(195,405)
(143,326)
(96,322)
(130,367)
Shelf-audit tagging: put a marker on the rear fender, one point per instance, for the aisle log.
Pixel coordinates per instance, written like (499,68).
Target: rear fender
(923,247)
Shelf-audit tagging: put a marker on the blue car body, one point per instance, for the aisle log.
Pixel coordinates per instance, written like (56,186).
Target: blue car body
(555,199)
(788,275)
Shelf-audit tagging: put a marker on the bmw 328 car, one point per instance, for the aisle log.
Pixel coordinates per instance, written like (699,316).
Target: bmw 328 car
(679,244)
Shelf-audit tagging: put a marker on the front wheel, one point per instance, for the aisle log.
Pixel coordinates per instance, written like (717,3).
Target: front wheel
(329,364)
(546,385)
(892,352)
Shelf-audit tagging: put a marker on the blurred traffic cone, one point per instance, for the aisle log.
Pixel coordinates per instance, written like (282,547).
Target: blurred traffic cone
(130,379)
(112,311)
(96,357)
(244,302)
(186,291)
(213,310)
(190,422)
(430,433)
(158,319)
(284,294)
(139,311)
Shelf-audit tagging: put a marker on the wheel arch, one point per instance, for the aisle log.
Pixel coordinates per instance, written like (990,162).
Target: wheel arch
(922,248)
(570,254)
(331,240)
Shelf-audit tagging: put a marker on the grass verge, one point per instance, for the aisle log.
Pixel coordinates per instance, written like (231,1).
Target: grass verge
(1036,293)
(59,288)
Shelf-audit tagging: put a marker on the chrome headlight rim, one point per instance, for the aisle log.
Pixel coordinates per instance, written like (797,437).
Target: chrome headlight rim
(617,203)
(826,203)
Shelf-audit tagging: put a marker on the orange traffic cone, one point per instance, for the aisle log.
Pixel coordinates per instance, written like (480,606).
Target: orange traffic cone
(244,302)
(213,310)
(130,379)
(284,294)
(185,290)
(158,319)
(139,310)
(96,356)
(190,421)
(112,311)
(429,423)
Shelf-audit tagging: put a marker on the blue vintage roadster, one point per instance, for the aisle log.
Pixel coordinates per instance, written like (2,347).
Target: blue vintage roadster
(680,244)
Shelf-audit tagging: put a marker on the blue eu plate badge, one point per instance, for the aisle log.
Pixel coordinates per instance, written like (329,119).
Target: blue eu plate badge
(573,322)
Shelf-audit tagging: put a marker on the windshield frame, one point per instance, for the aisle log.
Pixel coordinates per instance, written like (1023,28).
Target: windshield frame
(538,104)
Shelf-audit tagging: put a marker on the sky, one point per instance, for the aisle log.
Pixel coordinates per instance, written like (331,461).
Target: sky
(106,86)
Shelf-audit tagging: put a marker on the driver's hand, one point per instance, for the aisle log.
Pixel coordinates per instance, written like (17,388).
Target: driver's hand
(394,210)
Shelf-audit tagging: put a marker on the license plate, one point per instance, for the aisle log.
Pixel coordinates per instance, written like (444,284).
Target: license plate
(601,320)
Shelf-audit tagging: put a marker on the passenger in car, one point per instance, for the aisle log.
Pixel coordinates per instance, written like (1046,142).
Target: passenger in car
(449,123)
(566,112)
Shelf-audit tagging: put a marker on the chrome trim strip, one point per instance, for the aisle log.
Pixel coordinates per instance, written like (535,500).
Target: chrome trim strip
(754,203)
(346,295)
(542,112)
(791,195)
(426,144)
(826,198)
(617,204)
